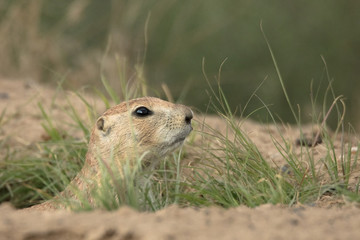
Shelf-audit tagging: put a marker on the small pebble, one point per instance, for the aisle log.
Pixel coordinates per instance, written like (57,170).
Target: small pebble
(4,95)
(307,141)
(354,150)
(285,169)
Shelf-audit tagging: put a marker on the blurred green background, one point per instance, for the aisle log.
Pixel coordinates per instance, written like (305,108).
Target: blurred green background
(51,40)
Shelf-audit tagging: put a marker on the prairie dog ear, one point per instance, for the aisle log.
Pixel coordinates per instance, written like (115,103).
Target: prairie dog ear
(103,125)
(100,123)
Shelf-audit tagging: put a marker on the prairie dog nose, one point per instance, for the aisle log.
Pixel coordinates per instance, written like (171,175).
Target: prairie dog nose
(188,115)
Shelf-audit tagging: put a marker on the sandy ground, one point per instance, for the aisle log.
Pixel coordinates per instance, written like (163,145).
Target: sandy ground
(21,129)
(264,222)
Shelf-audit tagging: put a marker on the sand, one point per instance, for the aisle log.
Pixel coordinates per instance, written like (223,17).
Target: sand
(264,222)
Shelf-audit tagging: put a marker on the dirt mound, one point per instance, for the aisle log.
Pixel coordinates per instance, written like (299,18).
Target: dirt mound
(21,128)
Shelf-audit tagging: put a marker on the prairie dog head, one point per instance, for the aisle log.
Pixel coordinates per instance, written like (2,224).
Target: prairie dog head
(143,125)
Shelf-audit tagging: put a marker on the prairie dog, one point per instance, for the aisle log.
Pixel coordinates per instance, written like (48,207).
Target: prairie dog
(148,127)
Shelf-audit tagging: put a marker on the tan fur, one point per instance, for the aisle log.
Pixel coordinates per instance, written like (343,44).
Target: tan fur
(120,134)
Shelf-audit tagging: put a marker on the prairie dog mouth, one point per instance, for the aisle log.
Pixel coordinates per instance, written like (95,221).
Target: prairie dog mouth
(179,140)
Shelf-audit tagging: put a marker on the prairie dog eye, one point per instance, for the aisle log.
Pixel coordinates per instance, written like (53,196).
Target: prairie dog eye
(142,112)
